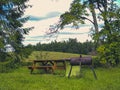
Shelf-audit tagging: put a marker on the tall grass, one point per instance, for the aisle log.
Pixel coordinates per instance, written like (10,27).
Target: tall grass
(21,79)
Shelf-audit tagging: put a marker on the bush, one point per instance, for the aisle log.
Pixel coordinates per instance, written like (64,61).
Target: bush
(96,62)
(9,63)
(26,63)
(109,54)
(3,56)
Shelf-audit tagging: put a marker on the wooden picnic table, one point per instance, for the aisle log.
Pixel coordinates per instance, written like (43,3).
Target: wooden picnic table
(48,65)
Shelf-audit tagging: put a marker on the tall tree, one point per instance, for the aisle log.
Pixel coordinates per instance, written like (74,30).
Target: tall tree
(11,27)
(105,10)
(110,33)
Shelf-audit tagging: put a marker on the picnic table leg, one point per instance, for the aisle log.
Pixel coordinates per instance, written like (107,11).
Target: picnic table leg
(31,70)
(54,65)
(64,63)
(52,70)
(46,70)
(49,70)
(70,71)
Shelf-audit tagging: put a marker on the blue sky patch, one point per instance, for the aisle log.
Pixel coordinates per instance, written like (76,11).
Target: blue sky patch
(49,15)
(72,33)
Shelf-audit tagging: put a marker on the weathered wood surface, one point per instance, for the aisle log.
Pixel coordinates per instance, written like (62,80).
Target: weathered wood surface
(48,64)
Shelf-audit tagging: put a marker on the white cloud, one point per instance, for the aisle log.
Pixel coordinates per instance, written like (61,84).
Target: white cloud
(46,13)
(41,27)
(49,15)
(43,7)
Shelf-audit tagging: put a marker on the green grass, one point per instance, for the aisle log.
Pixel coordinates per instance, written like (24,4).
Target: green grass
(21,79)
(49,55)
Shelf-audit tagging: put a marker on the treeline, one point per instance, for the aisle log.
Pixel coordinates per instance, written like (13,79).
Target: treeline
(70,46)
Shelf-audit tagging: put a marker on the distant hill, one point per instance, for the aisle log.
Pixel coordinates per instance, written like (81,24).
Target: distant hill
(44,55)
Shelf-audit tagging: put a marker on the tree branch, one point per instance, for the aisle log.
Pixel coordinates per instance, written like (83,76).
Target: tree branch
(87,19)
(99,7)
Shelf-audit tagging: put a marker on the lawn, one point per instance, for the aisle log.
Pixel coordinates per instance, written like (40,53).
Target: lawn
(21,79)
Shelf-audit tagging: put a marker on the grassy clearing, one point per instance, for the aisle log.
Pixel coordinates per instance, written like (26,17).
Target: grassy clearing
(21,79)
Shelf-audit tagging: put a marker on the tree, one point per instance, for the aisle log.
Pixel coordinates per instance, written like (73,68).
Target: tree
(110,50)
(105,10)
(11,22)
(79,12)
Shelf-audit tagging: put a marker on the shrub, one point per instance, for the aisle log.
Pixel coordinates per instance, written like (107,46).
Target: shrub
(109,54)
(96,62)
(9,63)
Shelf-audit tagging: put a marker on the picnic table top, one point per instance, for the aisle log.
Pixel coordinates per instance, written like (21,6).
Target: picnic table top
(57,60)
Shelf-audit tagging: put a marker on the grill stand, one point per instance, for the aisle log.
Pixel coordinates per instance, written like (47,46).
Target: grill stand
(91,67)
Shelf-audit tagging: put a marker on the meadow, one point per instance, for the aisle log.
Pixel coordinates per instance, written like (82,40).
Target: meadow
(21,79)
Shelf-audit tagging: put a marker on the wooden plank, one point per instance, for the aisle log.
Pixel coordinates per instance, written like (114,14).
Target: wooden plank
(39,67)
(46,68)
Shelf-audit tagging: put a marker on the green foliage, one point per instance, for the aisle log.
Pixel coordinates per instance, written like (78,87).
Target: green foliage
(70,46)
(11,22)
(9,63)
(75,15)
(109,53)
(3,56)
(1,42)
(108,37)
(11,31)
(96,62)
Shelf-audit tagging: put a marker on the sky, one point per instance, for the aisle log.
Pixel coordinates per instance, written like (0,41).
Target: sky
(44,13)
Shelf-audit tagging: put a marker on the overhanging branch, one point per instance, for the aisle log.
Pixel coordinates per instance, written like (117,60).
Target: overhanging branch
(88,19)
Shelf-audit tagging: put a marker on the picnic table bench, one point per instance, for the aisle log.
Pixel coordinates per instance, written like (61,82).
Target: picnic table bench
(48,65)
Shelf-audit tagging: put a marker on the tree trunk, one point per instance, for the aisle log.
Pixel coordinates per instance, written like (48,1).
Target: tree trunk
(94,17)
